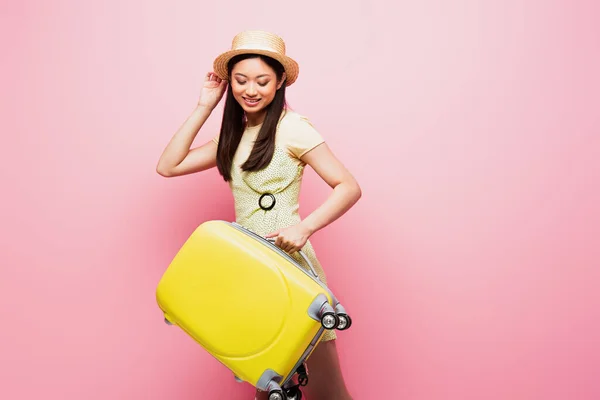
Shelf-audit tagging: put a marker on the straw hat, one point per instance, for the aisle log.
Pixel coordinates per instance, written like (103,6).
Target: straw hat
(258,42)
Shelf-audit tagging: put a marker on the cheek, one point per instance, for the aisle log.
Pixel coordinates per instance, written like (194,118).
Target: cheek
(269,92)
(237,90)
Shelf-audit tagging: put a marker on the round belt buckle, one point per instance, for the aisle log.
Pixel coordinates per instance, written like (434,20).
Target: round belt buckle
(260,201)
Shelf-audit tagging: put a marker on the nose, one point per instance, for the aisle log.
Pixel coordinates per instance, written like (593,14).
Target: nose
(251,90)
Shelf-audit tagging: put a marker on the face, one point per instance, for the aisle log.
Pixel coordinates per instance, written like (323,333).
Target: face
(254,84)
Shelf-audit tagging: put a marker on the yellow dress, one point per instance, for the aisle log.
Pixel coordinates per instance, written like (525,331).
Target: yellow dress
(278,183)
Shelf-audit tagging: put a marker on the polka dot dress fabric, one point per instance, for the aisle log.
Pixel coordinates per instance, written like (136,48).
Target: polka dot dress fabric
(282,179)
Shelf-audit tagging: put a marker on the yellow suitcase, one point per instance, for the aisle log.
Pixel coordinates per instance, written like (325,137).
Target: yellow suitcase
(250,305)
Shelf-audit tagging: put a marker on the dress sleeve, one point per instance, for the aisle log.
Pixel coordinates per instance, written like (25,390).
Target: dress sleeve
(302,136)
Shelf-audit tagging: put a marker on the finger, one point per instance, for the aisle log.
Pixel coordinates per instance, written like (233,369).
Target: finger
(284,246)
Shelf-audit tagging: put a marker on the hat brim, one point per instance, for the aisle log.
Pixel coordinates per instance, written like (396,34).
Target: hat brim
(290,65)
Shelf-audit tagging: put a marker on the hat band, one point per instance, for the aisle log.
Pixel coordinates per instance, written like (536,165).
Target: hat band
(251,46)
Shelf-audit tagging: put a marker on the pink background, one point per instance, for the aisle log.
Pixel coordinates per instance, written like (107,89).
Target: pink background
(470,265)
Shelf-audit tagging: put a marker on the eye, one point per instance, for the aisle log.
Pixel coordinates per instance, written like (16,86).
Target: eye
(263,83)
(241,83)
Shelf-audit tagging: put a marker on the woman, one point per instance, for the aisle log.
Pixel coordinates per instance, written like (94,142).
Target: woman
(261,151)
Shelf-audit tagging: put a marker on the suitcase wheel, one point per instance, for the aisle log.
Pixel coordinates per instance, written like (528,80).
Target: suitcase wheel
(302,375)
(344,322)
(333,318)
(168,322)
(293,394)
(302,379)
(329,320)
(276,395)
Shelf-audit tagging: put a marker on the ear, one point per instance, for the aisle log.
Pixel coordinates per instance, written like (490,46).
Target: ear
(283,77)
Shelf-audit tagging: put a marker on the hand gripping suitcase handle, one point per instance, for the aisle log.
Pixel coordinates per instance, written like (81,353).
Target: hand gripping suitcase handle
(312,269)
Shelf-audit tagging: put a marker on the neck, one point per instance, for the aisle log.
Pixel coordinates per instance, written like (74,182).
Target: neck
(255,119)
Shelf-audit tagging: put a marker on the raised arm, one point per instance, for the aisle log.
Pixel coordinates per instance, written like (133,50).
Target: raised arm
(177,158)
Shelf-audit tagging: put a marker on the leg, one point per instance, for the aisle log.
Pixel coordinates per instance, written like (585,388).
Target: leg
(325,380)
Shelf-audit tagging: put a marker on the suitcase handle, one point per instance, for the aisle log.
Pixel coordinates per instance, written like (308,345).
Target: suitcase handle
(312,269)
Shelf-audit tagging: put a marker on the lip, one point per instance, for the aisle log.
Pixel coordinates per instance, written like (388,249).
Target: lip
(251,102)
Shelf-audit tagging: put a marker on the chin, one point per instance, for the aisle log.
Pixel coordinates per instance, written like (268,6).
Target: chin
(252,110)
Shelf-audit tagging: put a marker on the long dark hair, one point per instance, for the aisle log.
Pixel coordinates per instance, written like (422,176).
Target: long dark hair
(234,121)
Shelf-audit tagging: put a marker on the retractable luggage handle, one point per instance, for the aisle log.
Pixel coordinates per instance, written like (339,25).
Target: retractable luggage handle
(312,269)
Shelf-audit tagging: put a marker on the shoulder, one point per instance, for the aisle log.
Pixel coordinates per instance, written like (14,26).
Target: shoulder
(292,120)
(298,134)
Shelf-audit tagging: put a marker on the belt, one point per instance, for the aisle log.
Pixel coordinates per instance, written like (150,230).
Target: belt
(266,204)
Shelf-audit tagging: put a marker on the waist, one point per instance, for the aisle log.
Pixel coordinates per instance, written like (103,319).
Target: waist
(264,222)
(250,203)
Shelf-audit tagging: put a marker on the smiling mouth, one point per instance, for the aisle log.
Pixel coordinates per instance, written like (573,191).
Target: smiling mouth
(251,102)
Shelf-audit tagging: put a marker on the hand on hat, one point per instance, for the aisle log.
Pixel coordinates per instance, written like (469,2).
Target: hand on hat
(212,91)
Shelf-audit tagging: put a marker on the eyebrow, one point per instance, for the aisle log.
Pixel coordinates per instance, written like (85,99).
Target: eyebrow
(260,76)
